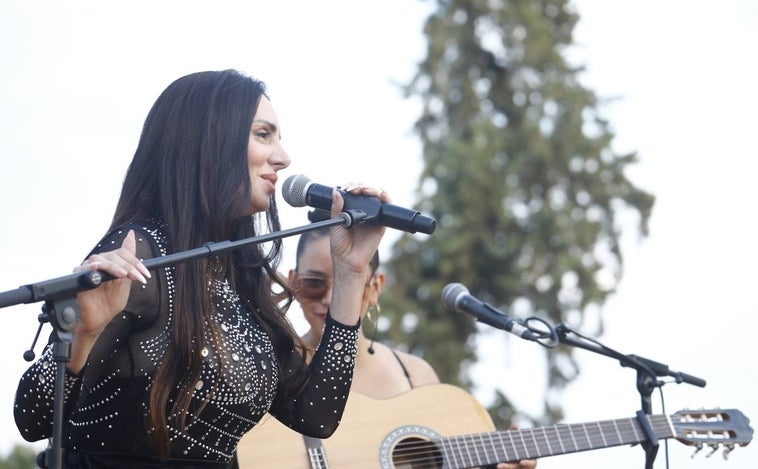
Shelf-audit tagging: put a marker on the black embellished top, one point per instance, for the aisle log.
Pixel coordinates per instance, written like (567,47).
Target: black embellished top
(107,403)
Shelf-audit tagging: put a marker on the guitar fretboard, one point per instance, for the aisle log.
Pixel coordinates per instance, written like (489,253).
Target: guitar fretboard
(316,454)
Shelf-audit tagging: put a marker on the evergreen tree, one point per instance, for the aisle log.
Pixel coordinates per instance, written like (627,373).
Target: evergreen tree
(520,174)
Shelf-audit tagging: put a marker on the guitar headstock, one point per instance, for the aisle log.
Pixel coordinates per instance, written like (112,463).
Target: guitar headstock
(712,428)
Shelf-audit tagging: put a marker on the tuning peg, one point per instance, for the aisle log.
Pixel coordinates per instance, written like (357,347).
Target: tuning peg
(728,449)
(714,448)
(698,448)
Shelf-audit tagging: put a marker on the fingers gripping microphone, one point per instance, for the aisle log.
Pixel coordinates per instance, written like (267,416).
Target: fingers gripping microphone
(456,297)
(299,191)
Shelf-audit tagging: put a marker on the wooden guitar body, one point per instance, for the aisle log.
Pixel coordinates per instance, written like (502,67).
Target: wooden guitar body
(369,429)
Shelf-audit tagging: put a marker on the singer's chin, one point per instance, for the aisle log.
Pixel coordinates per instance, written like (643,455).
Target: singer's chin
(259,204)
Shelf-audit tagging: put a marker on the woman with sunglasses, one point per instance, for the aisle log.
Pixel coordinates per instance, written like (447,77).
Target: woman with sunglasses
(380,372)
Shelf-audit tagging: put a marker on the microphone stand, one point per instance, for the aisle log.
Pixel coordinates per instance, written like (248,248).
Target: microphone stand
(61,309)
(648,372)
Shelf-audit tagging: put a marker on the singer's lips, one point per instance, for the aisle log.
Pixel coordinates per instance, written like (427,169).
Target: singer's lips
(272,178)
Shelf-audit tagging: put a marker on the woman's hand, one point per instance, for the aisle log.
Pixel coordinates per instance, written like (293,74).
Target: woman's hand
(352,248)
(523,464)
(98,306)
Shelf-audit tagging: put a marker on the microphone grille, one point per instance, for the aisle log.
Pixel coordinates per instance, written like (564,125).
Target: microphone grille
(450,294)
(293,190)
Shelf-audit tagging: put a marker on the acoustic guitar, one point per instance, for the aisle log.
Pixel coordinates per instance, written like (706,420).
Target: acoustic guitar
(443,426)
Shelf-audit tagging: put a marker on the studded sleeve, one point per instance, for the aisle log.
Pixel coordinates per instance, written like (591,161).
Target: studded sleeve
(317,410)
(35,396)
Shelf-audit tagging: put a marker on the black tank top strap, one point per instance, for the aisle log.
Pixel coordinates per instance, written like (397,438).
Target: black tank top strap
(405,370)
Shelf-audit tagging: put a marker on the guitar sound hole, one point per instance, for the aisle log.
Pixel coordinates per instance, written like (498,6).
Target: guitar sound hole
(416,453)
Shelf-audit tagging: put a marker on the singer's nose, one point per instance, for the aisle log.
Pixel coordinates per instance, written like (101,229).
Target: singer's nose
(279,159)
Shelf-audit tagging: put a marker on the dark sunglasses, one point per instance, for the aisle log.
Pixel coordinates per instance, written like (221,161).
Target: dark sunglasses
(314,287)
(311,287)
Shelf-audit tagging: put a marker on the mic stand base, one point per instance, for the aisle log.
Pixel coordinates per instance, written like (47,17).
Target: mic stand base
(62,313)
(645,385)
(651,445)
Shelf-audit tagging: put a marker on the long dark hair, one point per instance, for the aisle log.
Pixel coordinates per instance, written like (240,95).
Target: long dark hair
(190,172)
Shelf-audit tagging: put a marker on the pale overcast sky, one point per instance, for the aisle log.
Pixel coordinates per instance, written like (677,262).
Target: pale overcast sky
(79,77)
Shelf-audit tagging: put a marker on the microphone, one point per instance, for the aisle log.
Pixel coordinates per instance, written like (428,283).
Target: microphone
(299,191)
(456,297)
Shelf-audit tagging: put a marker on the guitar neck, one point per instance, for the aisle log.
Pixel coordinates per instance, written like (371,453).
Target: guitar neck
(513,445)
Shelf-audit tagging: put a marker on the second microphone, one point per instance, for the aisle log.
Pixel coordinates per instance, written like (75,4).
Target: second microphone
(457,297)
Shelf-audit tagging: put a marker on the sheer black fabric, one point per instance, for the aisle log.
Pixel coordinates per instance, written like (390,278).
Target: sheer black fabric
(106,406)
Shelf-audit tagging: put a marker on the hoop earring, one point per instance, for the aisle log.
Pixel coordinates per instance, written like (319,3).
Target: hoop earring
(372,313)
